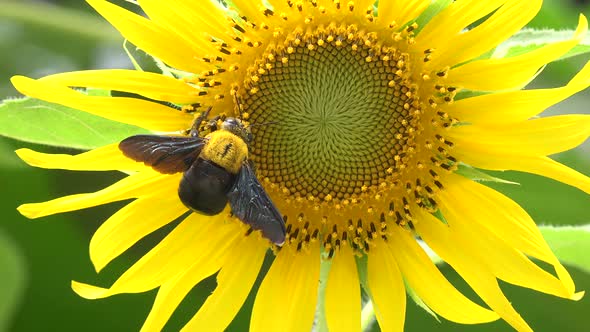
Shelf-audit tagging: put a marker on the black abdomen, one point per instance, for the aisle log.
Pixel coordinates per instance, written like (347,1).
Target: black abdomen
(204,187)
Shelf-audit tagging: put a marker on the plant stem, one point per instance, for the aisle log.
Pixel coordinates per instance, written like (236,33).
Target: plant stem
(367,316)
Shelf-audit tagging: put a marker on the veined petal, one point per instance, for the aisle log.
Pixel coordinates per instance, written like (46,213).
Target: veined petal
(210,237)
(387,288)
(507,20)
(513,72)
(499,160)
(430,285)
(343,293)
(239,266)
(133,222)
(234,282)
(400,11)
(504,261)
(439,237)
(135,185)
(538,137)
(515,106)
(106,158)
(194,24)
(173,291)
(150,37)
(287,297)
(151,85)
(507,220)
(134,111)
(452,20)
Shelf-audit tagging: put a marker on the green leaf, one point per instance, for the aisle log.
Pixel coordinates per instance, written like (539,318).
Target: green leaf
(40,122)
(571,244)
(477,175)
(12,279)
(321,324)
(528,40)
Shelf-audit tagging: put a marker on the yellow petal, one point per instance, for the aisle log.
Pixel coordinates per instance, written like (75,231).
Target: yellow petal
(173,291)
(362,6)
(513,72)
(106,158)
(133,222)
(287,297)
(507,20)
(500,160)
(135,185)
(505,261)
(343,293)
(504,218)
(252,9)
(430,285)
(515,106)
(196,240)
(449,247)
(281,5)
(239,266)
(234,282)
(134,111)
(537,137)
(386,285)
(452,20)
(148,36)
(151,85)
(400,11)
(193,22)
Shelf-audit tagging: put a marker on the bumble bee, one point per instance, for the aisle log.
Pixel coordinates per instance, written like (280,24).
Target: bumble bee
(216,170)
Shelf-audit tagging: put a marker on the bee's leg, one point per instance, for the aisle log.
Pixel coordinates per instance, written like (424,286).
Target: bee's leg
(194,132)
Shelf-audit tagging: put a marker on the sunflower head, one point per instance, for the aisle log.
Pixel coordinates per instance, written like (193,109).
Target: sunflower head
(358,119)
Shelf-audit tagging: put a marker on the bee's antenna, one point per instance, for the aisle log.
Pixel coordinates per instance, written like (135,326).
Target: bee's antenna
(195,128)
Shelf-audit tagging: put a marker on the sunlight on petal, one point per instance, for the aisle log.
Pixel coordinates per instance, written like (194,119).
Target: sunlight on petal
(132,223)
(343,294)
(287,297)
(234,282)
(387,288)
(106,158)
(131,186)
(151,85)
(142,113)
(431,286)
(478,276)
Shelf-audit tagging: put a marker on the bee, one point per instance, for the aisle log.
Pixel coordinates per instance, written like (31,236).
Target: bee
(216,170)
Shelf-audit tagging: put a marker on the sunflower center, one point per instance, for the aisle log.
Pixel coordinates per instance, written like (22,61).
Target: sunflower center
(335,113)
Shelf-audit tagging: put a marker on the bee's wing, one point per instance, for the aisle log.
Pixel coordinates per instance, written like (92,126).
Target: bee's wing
(250,203)
(166,154)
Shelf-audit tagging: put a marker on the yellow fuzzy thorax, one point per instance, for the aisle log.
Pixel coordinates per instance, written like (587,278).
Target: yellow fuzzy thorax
(226,150)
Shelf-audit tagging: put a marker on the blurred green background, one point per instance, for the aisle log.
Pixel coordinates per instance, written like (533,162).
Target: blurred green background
(38,259)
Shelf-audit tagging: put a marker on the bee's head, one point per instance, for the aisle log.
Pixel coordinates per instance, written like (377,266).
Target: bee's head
(236,127)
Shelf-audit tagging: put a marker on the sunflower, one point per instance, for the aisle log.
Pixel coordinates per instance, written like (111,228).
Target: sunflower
(367,114)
